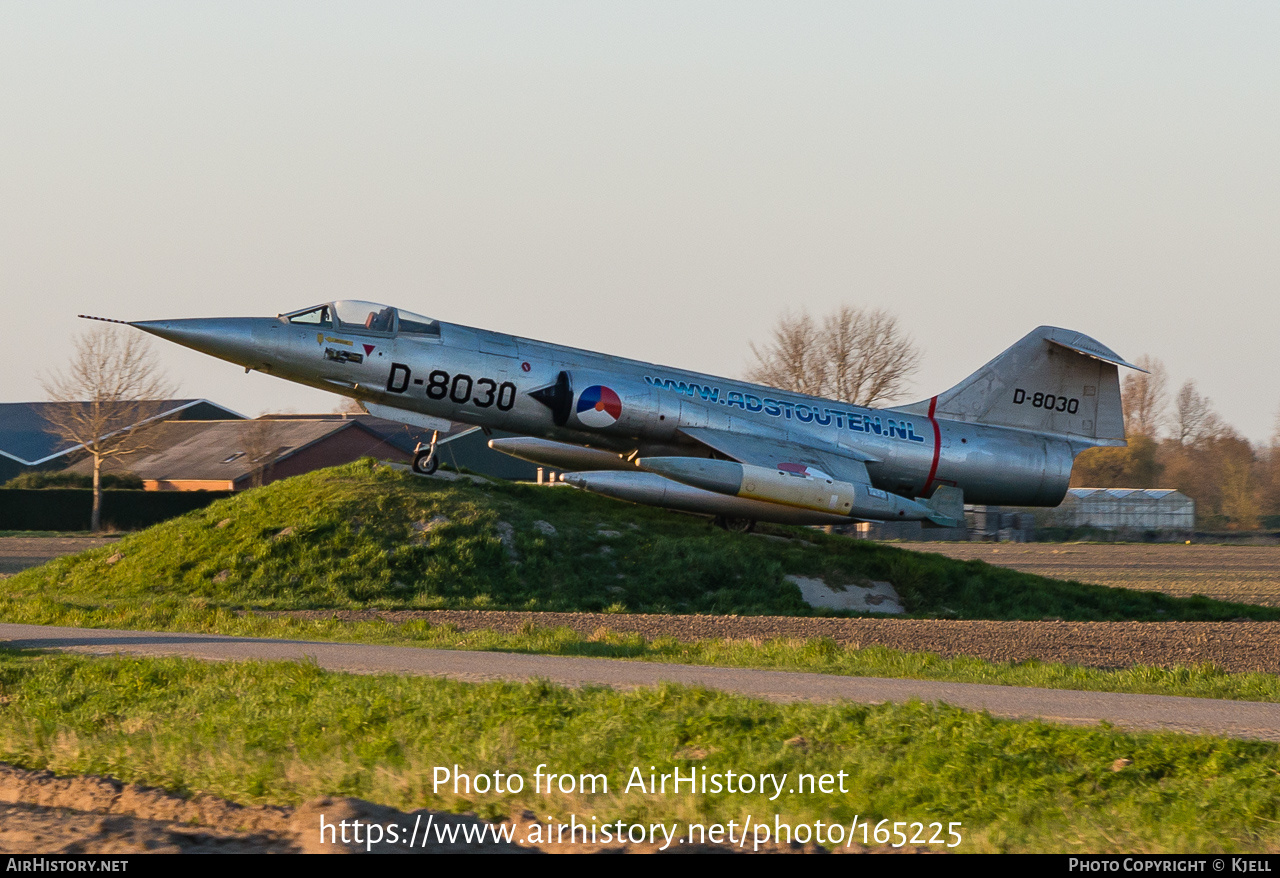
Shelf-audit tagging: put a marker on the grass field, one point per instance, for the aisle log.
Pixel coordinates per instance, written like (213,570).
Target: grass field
(292,732)
(1249,574)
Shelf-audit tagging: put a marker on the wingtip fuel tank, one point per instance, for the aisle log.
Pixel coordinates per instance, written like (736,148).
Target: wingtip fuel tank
(561,455)
(652,489)
(795,485)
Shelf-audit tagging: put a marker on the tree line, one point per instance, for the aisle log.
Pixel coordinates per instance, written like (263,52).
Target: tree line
(1177,440)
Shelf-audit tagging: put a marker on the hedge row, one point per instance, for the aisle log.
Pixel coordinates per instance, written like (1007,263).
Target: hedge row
(70,508)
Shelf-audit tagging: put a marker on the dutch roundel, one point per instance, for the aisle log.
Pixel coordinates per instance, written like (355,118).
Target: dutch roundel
(599,406)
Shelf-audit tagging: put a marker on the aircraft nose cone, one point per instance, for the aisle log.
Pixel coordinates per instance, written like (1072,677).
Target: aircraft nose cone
(237,339)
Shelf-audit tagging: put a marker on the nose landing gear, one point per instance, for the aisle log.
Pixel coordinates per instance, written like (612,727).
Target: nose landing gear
(425,461)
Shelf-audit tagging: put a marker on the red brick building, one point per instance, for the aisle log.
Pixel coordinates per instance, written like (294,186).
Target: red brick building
(234,455)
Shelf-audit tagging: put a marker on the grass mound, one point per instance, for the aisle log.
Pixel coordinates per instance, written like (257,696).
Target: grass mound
(366,536)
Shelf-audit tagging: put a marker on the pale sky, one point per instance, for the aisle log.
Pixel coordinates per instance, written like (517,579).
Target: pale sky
(656,180)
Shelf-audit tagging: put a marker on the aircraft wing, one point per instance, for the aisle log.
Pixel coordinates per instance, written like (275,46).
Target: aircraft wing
(845,465)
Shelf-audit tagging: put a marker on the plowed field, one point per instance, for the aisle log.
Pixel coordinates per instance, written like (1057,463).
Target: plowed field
(1246,574)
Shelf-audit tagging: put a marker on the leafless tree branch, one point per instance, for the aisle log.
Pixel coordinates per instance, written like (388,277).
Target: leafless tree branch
(1197,423)
(1146,398)
(261,439)
(857,355)
(109,391)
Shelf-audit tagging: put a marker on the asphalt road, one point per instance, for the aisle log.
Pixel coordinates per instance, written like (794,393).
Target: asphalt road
(1239,719)
(19,553)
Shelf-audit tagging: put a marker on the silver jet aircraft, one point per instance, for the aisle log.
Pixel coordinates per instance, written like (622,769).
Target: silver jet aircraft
(1007,435)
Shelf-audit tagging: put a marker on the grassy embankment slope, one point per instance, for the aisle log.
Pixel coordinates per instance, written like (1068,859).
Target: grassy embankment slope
(356,536)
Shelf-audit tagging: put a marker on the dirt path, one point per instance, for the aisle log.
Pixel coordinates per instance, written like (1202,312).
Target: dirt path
(42,813)
(1234,646)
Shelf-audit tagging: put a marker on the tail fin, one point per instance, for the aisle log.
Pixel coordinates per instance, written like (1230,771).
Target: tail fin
(1052,381)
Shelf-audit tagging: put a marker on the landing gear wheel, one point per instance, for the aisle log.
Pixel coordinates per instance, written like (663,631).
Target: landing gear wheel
(734,525)
(425,462)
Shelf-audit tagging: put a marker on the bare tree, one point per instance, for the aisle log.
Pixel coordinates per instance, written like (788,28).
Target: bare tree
(1146,398)
(857,355)
(1196,420)
(109,392)
(791,360)
(1269,493)
(261,440)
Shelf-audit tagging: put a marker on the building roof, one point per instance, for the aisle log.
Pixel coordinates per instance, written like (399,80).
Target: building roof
(221,450)
(1125,493)
(24,435)
(462,445)
(403,436)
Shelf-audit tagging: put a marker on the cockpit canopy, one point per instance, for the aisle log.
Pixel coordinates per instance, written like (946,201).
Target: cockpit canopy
(353,315)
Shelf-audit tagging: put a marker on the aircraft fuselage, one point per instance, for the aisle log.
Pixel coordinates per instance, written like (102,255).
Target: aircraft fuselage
(517,385)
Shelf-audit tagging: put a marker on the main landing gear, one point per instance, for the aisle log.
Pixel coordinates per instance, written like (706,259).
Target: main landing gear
(734,525)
